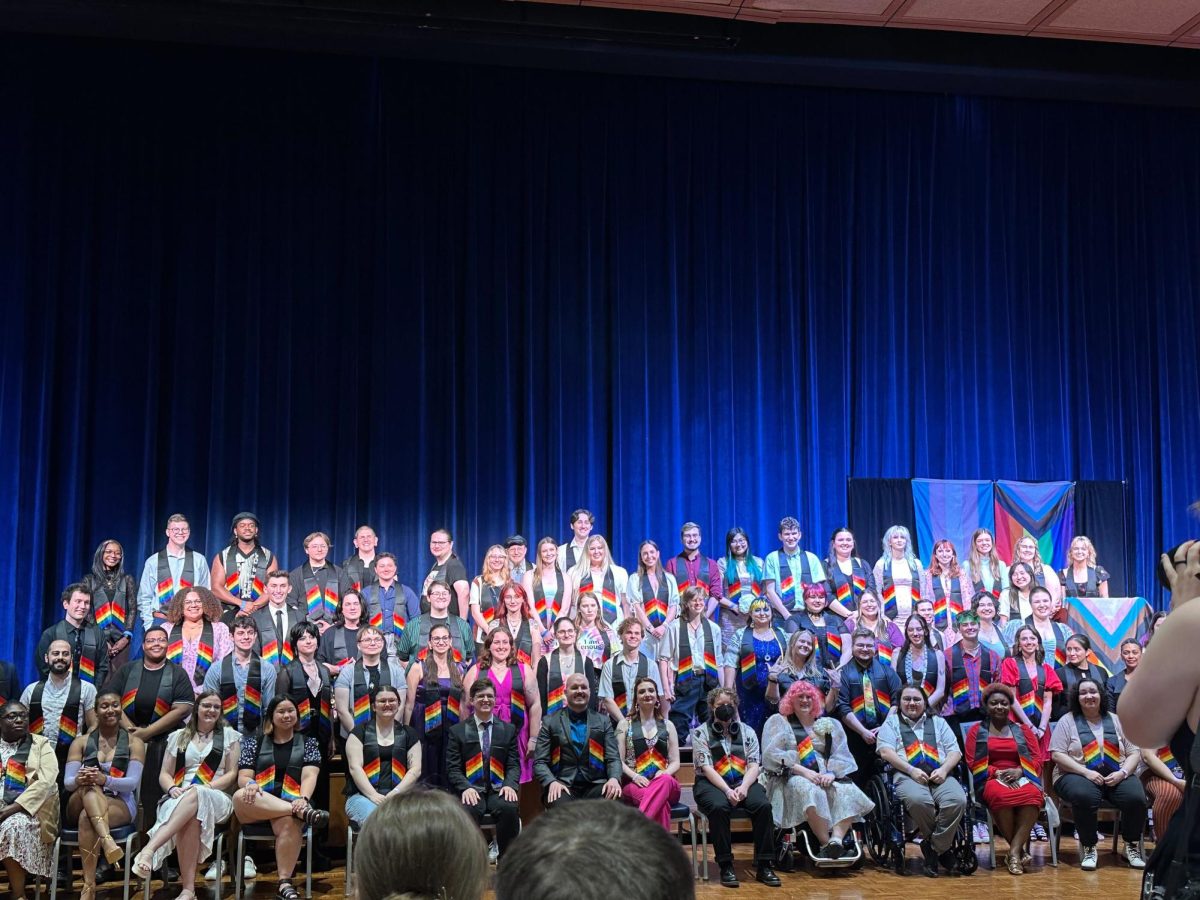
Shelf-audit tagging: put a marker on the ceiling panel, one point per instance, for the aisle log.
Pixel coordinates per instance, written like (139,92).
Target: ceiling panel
(964,12)
(1158,18)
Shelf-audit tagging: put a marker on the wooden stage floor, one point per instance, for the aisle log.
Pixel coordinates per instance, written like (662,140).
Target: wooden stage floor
(1112,880)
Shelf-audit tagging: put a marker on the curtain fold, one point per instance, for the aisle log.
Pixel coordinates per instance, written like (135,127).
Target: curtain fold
(334,290)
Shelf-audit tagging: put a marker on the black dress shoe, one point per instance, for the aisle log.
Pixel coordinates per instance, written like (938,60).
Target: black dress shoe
(106,871)
(930,868)
(767,876)
(949,862)
(729,877)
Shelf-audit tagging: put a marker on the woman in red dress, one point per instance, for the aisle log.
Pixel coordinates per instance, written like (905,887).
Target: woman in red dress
(1005,761)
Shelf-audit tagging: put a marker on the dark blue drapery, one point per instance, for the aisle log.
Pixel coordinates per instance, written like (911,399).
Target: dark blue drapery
(333,290)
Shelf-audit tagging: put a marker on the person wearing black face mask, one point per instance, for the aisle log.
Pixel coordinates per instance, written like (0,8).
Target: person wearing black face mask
(727,754)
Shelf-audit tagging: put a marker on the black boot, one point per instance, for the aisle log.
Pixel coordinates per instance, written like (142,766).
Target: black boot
(767,875)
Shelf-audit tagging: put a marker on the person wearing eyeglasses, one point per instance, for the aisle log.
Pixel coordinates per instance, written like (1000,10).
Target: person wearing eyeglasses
(167,571)
(29,807)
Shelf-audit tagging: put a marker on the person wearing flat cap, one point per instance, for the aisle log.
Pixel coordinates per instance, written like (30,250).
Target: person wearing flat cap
(239,572)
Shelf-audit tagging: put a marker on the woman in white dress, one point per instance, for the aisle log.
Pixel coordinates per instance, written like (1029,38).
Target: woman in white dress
(805,764)
(199,771)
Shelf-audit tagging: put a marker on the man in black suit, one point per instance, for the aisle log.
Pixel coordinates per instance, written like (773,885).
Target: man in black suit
(576,756)
(484,764)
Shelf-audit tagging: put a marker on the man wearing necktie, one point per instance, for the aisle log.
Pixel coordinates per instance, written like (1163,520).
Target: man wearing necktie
(866,694)
(483,764)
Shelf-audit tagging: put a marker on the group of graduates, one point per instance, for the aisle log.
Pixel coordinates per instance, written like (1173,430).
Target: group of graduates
(234,688)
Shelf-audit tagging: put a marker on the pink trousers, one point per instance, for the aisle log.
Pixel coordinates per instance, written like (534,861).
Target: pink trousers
(654,799)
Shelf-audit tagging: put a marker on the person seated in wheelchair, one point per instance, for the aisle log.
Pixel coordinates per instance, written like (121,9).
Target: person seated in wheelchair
(923,752)
(805,767)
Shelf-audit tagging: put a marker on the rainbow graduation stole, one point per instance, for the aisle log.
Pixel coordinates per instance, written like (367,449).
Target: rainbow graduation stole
(15,774)
(1169,760)
(621,691)
(308,705)
(111,612)
(322,602)
(209,766)
(360,697)
(654,603)
(977,583)
(596,754)
(250,703)
(683,580)
(1105,757)
(385,767)
(489,599)
(556,694)
(276,649)
(516,695)
(868,702)
(609,611)
(685,666)
(1029,691)
(979,767)
(120,759)
(233,584)
(540,606)
(204,650)
(396,626)
(90,642)
(167,587)
(946,607)
(649,759)
(787,581)
(748,660)
(69,719)
(259,560)
(734,586)
(921,752)
(478,766)
(847,588)
(730,766)
(439,713)
(885,651)
(285,788)
(960,681)
(162,701)
(522,639)
(806,753)
(888,594)
(928,676)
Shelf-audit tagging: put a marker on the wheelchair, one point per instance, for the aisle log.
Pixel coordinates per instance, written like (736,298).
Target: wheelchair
(787,856)
(888,829)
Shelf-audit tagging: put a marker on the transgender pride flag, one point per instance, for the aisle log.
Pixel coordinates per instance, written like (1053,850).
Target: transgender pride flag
(1045,510)
(951,510)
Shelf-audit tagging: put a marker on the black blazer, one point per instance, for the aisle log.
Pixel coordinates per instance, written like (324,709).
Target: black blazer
(556,735)
(464,744)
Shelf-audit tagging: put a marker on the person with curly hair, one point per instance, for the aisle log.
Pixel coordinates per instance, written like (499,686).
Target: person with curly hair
(197,639)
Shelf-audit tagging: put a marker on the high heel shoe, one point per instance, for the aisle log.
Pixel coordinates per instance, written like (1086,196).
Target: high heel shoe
(142,865)
(88,890)
(315,819)
(112,851)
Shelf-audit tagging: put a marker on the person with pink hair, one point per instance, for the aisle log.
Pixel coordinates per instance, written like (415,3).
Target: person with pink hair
(805,764)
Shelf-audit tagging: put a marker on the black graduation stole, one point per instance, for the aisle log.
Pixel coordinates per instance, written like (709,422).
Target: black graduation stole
(556,695)
(980,766)
(748,661)
(1030,691)
(921,752)
(341,647)
(209,766)
(360,697)
(204,650)
(250,703)
(829,639)
(16,776)
(120,761)
(72,713)
(977,582)
(655,602)
(522,640)
(927,678)
(1105,757)
(547,613)
(622,694)
(162,700)
(425,625)
(516,702)
(90,639)
(649,759)
(166,587)
(684,581)
(960,682)
(320,597)
(888,588)
(373,594)
(806,751)
(730,766)
(259,559)
(489,600)
(791,597)
(112,611)
(286,786)
(609,609)
(482,770)
(385,767)
(317,707)
(685,664)
(847,588)
(437,713)
(1090,589)
(946,607)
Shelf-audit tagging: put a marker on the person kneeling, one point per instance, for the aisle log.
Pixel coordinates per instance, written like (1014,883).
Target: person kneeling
(576,756)
(483,763)
(276,775)
(727,754)
(921,748)
(806,762)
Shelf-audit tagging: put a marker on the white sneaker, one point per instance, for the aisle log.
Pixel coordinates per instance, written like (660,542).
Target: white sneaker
(215,870)
(1134,855)
(493,852)
(1088,861)
(980,833)
(249,870)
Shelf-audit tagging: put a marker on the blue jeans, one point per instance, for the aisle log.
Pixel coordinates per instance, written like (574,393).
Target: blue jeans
(359,808)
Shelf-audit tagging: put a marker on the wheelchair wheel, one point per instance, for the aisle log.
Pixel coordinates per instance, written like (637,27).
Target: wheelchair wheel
(880,830)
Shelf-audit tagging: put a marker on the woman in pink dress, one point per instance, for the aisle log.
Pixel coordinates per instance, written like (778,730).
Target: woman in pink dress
(516,693)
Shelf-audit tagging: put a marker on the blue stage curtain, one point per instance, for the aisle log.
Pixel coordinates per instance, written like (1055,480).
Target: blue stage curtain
(333,289)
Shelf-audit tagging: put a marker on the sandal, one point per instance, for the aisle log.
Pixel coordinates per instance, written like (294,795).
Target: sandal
(1014,865)
(315,819)
(287,890)
(142,865)
(112,852)
(186,895)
